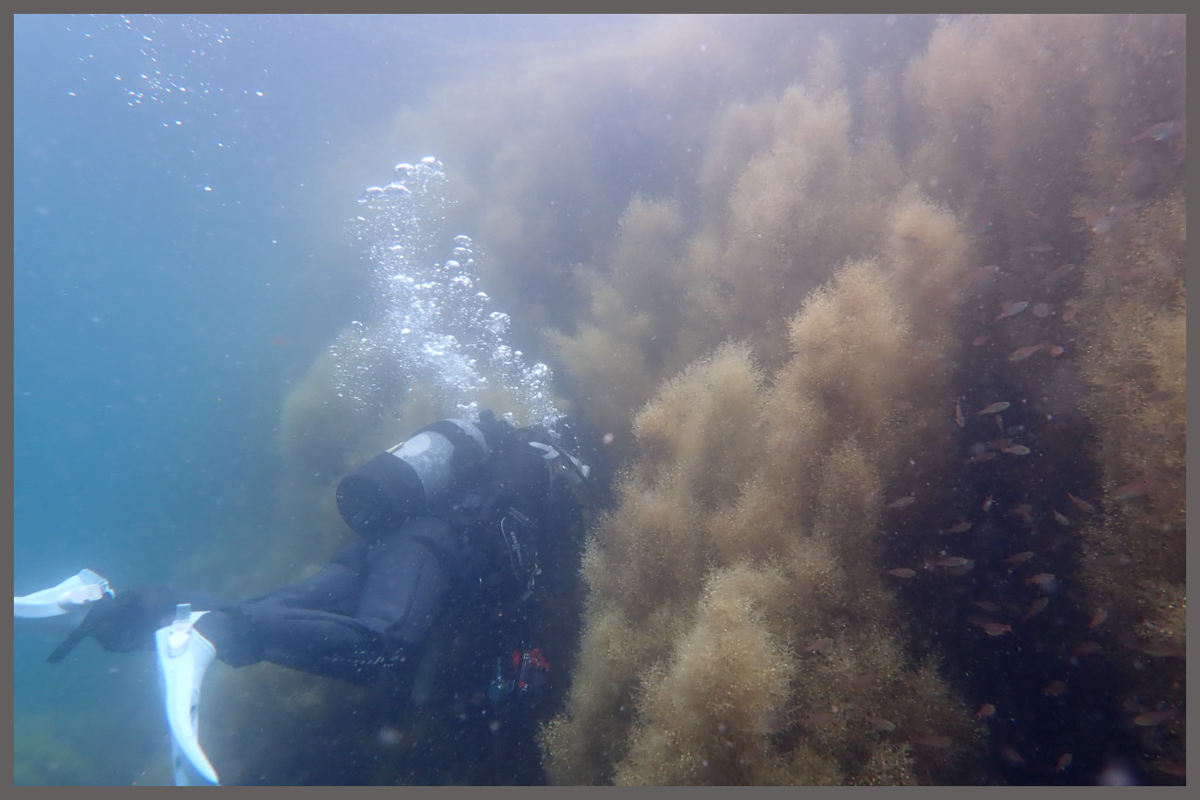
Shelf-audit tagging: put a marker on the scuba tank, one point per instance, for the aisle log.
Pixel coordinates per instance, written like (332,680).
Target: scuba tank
(404,481)
(437,465)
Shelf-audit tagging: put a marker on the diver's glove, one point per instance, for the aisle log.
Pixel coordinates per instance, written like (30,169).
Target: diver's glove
(72,596)
(184,655)
(123,623)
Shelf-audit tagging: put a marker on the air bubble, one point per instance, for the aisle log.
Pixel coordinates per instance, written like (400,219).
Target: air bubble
(419,300)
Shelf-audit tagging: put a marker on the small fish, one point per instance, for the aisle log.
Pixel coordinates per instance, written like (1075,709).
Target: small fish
(1056,351)
(1103,222)
(1173,768)
(1070,310)
(959,419)
(1087,648)
(1160,131)
(903,502)
(1161,396)
(1098,619)
(1159,649)
(901,572)
(1011,755)
(1042,310)
(1131,490)
(1061,519)
(1019,558)
(1063,762)
(1150,719)
(1041,579)
(1057,274)
(994,408)
(1082,505)
(986,710)
(979,341)
(863,682)
(1011,309)
(936,742)
(961,527)
(951,561)
(990,627)
(820,646)
(881,724)
(982,276)
(1129,391)
(987,605)
(1135,274)
(1112,560)
(1035,608)
(981,458)
(1055,688)
(818,719)
(1040,248)
(1016,450)
(1022,511)
(1022,353)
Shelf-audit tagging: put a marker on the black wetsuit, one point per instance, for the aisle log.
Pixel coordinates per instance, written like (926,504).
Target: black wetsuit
(506,530)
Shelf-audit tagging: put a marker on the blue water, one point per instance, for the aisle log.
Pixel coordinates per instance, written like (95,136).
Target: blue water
(161,254)
(185,252)
(182,191)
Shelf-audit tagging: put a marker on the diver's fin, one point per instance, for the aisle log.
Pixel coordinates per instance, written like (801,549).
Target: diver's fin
(183,658)
(68,597)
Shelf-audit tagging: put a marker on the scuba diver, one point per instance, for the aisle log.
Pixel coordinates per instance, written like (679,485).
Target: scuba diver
(478,516)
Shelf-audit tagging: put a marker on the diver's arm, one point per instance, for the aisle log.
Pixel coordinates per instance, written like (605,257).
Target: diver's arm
(362,617)
(335,588)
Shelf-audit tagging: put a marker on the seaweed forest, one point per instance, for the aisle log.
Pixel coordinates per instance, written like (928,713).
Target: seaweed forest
(880,328)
